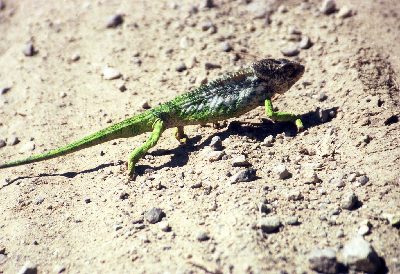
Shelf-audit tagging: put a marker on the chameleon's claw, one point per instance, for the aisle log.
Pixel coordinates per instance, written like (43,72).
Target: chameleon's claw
(299,125)
(180,135)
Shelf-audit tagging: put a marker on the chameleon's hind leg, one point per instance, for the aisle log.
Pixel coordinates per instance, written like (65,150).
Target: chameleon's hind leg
(138,152)
(282,116)
(180,135)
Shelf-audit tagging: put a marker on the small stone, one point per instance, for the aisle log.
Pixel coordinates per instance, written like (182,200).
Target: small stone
(4,90)
(185,42)
(207,25)
(349,201)
(87,200)
(27,147)
(207,4)
(311,178)
(75,57)
(145,105)
(294,195)
(29,50)
(282,172)
(2,143)
(359,255)
(28,268)
(114,21)
(305,42)
(362,180)
(344,12)
(210,66)
(290,51)
(322,97)
(363,230)
(12,141)
(121,86)
(39,200)
(269,140)
(216,143)
(246,175)
(240,160)
(292,220)
(154,215)
(111,73)
(123,196)
(214,156)
(202,236)
(270,224)
(393,219)
(164,226)
(226,47)
(197,185)
(323,261)
(181,67)
(2,5)
(328,7)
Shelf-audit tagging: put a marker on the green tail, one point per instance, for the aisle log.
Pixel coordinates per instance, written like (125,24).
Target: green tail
(127,128)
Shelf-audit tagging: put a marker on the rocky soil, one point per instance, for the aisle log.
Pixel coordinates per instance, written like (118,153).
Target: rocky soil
(246,196)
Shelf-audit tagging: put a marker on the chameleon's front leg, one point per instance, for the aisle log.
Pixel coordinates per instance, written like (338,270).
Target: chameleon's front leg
(282,116)
(134,157)
(180,135)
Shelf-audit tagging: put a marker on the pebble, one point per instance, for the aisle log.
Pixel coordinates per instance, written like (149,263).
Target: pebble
(29,146)
(197,185)
(214,156)
(28,268)
(216,143)
(282,172)
(123,195)
(292,220)
(207,4)
(349,201)
(344,12)
(202,236)
(240,160)
(359,255)
(210,66)
(322,96)
(29,49)
(226,47)
(394,219)
(362,180)
(145,105)
(270,224)
(323,261)
(269,140)
(328,7)
(114,21)
(75,57)
(12,140)
(2,5)
(4,90)
(111,73)
(311,178)
(246,175)
(207,25)
(364,230)
(2,143)
(181,67)
(290,51)
(154,215)
(87,200)
(164,226)
(305,42)
(294,195)
(39,200)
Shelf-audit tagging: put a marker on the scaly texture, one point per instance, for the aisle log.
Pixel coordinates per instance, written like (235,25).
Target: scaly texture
(229,96)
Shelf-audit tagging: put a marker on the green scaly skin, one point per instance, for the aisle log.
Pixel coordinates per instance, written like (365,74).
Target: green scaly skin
(227,97)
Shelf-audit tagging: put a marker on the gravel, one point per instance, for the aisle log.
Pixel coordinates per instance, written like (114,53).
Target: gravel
(292,220)
(344,12)
(164,226)
(110,73)
(181,67)
(2,5)
(12,140)
(359,255)
(349,201)
(216,143)
(290,51)
(29,50)
(226,47)
(246,175)
(202,236)
(323,260)
(28,268)
(214,156)
(328,7)
(363,179)
(154,215)
(294,195)
(114,21)
(305,42)
(270,224)
(2,143)
(240,161)
(269,141)
(4,90)
(210,66)
(282,172)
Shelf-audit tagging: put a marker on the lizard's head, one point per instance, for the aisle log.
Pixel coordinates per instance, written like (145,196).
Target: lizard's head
(280,74)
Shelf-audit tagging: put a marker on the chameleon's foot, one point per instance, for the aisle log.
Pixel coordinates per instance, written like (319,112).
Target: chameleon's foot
(180,135)
(299,125)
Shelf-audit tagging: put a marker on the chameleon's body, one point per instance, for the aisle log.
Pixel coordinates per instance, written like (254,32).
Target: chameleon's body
(226,97)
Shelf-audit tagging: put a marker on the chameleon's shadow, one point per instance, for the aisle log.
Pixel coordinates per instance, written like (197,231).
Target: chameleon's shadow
(257,131)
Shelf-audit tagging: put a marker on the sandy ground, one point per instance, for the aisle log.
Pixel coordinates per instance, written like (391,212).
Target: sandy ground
(79,214)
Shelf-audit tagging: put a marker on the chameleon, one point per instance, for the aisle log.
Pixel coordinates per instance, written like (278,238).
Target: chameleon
(229,96)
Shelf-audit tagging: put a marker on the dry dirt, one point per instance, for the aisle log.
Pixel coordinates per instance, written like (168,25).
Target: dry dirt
(79,214)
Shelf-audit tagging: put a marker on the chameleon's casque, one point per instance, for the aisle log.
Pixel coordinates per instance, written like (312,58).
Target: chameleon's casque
(229,96)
